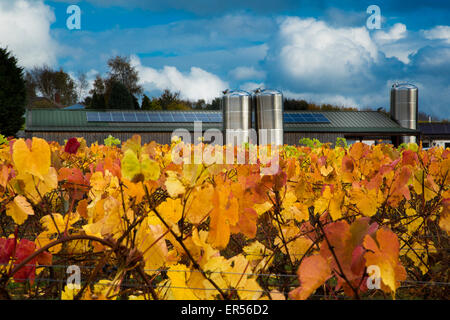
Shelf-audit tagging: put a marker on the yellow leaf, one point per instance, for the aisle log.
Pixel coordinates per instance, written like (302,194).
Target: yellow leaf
(224,215)
(256,251)
(35,161)
(152,244)
(171,210)
(19,209)
(261,208)
(178,275)
(199,204)
(132,167)
(69,293)
(367,201)
(174,186)
(384,253)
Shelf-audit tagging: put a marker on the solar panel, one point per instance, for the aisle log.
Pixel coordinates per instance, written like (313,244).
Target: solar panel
(163,116)
(92,116)
(117,117)
(166,117)
(129,117)
(154,117)
(305,118)
(190,117)
(202,117)
(141,117)
(178,117)
(215,118)
(105,116)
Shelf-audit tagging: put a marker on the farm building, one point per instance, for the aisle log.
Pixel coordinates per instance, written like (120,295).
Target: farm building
(435,134)
(95,125)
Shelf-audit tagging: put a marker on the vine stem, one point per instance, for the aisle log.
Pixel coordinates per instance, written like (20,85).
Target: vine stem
(54,243)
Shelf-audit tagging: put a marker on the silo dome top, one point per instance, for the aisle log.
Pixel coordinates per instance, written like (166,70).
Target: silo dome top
(236,93)
(404,86)
(268,92)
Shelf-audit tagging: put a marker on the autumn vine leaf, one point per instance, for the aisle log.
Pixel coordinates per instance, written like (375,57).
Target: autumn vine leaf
(312,273)
(135,169)
(33,159)
(384,253)
(19,209)
(72,146)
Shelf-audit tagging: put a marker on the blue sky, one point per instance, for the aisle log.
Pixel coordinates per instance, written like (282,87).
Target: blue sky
(320,51)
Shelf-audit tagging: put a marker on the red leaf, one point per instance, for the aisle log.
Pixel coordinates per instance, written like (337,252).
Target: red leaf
(409,157)
(6,250)
(72,146)
(27,272)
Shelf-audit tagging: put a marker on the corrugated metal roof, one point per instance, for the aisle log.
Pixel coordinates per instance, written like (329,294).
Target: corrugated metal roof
(340,121)
(350,121)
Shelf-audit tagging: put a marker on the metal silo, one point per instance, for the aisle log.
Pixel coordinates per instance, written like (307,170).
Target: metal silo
(404,107)
(269,116)
(237,116)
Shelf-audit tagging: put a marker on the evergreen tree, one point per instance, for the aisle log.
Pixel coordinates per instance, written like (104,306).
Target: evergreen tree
(146,103)
(97,101)
(13,94)
(119,97)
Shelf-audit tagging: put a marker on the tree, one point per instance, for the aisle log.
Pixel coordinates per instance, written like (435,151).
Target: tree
(136,105)
(292,104)
(214,105)
(146,103)
(82,84)
(97,101)
(119,97)
(200,104)
(13,94)
(99,86)
(57,86)
(121,70)
(168,98)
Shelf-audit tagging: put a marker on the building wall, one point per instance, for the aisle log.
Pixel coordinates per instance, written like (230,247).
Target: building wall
(91,137)
(290,138)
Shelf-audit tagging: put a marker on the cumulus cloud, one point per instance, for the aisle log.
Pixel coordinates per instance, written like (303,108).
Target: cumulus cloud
(308,54)
(25,30)
(196,84)
(348,66)
(323,98)
(397,42)
(247,73)
(397,32)
(438,32)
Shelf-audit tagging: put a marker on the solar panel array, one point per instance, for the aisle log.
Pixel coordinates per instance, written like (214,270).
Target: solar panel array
(305,118)
(178,116)
(153,116)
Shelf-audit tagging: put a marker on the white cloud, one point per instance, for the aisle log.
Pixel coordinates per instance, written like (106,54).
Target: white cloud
(311,53)
(396,43)
(197,84)
(247,73)
(323,98)
(397,32)
(25,30)
(438,32)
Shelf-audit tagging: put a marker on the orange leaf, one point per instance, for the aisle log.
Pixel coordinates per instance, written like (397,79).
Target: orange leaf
(312,273)
(384,254)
